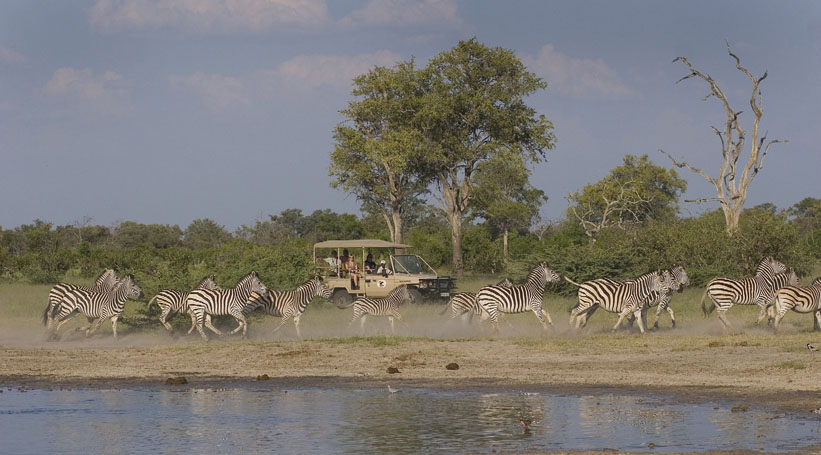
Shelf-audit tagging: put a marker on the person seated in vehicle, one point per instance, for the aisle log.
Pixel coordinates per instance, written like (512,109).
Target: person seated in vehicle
(333,261)
(383,269)
(370,265)
(353,270)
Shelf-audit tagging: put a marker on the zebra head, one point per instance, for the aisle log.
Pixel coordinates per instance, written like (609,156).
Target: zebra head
(816,282)
(680,278)
(770,265)
(661,281)
(320,289)
(256,283)
(402,293)
(208,282)
(792,278)
(107,279)
(549,275)
(131,289)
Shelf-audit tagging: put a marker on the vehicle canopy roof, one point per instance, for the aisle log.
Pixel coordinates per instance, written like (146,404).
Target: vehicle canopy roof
(363,243)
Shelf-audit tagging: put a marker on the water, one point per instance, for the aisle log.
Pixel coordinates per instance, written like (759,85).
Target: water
(346,420)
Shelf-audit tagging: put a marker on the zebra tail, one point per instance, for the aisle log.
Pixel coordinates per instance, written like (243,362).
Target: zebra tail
(45,314)
(149,302)
(704,309)
(572,282)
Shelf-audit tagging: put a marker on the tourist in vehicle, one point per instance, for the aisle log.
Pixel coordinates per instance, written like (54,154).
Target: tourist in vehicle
(370,265)
(333,261)
(344,259)
(353,270)
(383,269)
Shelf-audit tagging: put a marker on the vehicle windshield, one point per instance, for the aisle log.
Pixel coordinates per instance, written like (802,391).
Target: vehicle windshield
(408,264)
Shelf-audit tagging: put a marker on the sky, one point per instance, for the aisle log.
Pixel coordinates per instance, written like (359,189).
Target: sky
(164,111)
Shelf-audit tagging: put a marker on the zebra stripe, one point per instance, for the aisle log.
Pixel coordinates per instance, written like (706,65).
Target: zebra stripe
(518,299)
(97,305)
(662,299)
(105,281)
(386,306)
(466,302)
(288,304)
(204,302)
(758,289)
(172,301)
(623,297)
(805,299)
(780,280)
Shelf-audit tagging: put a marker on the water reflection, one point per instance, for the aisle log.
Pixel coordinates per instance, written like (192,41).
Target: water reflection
(368,420)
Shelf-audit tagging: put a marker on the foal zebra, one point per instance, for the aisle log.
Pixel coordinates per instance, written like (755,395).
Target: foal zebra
(288,304)
(758,289)
(466,302)
(205,302)
(623,297)
(172,301)
(386,306)
(98,305)
(497,299)
(107,279)
(801,300)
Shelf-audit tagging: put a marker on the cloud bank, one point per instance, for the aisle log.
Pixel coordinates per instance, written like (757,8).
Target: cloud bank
(576,78)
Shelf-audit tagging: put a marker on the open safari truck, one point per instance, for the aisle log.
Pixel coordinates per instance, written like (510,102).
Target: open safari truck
(399,269)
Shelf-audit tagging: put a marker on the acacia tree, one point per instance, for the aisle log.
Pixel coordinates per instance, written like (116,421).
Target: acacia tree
(378,148)
(475,110)
(731,188)
(632,193)
(504,196)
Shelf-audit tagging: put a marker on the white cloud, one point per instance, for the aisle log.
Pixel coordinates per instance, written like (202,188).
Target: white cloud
(576,78)
(10,57)
(299,75)
(106,92)
(208,15)
(406,12)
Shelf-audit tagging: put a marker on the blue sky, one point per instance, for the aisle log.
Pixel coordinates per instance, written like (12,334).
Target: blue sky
(161,111)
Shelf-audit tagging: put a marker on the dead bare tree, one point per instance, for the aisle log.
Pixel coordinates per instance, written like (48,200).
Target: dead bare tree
(731,188)
(619,209)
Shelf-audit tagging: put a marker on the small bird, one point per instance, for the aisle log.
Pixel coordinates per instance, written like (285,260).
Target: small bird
(811,347)
(526,424)
(391,389)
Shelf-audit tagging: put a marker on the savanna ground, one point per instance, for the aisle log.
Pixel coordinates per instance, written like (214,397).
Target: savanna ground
(698,361)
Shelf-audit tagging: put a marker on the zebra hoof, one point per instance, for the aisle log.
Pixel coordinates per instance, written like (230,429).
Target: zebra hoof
(674,324)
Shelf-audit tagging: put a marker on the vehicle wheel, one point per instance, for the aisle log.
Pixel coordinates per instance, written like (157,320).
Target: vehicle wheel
(342,299)
(416,295)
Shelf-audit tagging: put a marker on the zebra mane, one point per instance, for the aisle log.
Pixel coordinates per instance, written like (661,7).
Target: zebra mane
(816,281)
(246,279)
(101,278)
(396,291)
(538,274)
(204,279)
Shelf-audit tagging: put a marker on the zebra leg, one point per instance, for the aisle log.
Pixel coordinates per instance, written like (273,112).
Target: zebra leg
(623,314)
(165,312)
(114,325)
(200,319)
(672,316)
(362,323)
(538,313)
(285,319)
(95,326)
(763,313)
(547,315)
(816,325)
(583,318)
(393,331)
(241,322)
(658,313)
(296,326)
(211,326)
(638,313)
(723,318)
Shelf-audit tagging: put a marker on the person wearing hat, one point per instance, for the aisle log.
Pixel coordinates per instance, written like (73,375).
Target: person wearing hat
(383,269)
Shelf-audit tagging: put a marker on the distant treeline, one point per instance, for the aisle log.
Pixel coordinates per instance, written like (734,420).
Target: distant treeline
(163,256)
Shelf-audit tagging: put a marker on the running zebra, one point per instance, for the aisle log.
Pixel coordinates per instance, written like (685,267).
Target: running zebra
(801,300)
(172,301)
(495,299)
(386,306)
(97,305)
(288,304)
(465,303)
(107,279)
(758,289)
(623,297)
(205,302)
(679,280)
(781,280)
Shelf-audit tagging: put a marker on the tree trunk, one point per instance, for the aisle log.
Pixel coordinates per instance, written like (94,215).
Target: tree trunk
(731,216)
(455,221)
(504,246)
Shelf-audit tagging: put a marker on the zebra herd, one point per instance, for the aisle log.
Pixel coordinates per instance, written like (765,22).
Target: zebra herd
(773,288)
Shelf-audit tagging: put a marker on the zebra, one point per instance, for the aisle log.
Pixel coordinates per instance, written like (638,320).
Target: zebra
(780,280)
(204,302)
(758,289)
(288,304)
(107,279)
(799,299)
(679,280)
(623,297)
(496,299)
(172,301)
(385,306)
(97,305)
(466,303)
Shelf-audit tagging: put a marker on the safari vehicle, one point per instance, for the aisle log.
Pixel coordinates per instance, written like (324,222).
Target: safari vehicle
(423,282)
